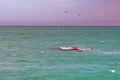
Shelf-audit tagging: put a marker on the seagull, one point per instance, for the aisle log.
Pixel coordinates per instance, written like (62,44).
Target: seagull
(65,12)
(78,14)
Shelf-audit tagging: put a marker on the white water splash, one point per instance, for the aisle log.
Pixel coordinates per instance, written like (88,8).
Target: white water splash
(113,71)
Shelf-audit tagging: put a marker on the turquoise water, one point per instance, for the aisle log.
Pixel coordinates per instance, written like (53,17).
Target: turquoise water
(25,53)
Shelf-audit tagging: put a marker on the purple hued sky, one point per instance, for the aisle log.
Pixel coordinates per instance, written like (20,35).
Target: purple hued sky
(53,12)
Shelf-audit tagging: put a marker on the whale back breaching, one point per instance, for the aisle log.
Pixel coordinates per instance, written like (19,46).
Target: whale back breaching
(77,49)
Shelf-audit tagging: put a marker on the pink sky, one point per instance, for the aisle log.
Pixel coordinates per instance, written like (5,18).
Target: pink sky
(51,12)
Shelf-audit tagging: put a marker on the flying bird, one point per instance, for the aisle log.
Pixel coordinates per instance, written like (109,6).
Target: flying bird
(78,14)
(65,12)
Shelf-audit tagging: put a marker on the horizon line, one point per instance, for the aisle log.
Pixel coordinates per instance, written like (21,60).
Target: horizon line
(59,26)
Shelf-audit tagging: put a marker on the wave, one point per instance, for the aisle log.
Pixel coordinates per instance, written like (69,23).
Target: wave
(110,52)
(105,52)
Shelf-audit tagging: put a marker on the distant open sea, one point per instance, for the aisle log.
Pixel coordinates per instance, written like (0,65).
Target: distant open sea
(25,53)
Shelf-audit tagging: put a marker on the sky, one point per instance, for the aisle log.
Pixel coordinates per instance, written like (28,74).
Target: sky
(60,12)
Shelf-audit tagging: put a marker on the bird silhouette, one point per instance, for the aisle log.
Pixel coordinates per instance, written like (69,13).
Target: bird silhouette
(66,12)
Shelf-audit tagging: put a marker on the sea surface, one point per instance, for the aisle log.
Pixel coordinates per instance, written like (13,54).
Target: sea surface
(26,53)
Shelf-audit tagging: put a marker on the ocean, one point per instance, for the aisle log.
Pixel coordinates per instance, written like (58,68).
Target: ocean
(26,53)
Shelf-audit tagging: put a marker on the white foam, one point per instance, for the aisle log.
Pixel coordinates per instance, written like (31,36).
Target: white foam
(102,41)
(42,52)
(113,71)
(113,52)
